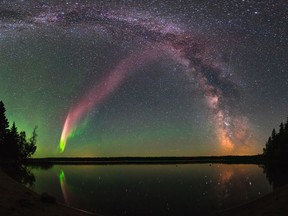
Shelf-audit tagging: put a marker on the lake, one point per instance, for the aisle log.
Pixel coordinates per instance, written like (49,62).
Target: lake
(182,189)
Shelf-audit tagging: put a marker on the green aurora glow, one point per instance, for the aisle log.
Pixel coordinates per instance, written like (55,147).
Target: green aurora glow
(46,69)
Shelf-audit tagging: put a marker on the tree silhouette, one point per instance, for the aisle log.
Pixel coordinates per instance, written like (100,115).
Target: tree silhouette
(13,145)
(276,148)
(4,127)
(27,148)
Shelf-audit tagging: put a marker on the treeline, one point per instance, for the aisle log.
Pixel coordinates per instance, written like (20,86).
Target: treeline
(14,145)
(276,148)
(253,159)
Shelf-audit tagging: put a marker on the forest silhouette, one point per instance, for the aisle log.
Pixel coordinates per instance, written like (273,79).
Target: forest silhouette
(275,154)
(276,148)
(14,145)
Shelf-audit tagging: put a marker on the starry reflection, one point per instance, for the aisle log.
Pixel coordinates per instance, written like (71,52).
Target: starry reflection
(192,189)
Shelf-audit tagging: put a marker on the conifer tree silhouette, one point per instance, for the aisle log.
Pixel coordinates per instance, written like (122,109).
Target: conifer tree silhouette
(14,145)
(4,129)
(276,148)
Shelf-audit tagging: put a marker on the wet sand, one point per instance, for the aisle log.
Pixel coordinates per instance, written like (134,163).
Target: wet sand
(16,199)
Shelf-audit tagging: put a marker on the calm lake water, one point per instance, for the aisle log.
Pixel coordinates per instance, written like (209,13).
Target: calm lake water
(190,189)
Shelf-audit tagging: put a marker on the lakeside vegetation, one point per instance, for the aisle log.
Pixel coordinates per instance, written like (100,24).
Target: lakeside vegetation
(276,148)
(14,145)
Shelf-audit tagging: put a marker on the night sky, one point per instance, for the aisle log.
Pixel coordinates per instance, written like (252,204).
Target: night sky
(145,78)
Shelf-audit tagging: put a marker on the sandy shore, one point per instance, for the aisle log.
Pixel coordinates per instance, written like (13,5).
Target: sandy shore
(275,203)
(15,199)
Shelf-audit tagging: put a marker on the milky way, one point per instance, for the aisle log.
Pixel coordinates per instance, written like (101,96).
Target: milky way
(149,36)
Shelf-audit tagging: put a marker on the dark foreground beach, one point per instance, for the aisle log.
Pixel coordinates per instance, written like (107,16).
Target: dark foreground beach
(16,199)
(275,203)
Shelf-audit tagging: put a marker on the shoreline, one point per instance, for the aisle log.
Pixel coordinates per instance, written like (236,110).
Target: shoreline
(274,203)
(16,199)
(228,159)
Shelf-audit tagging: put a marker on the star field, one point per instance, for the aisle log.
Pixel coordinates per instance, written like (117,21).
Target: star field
(149,78)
